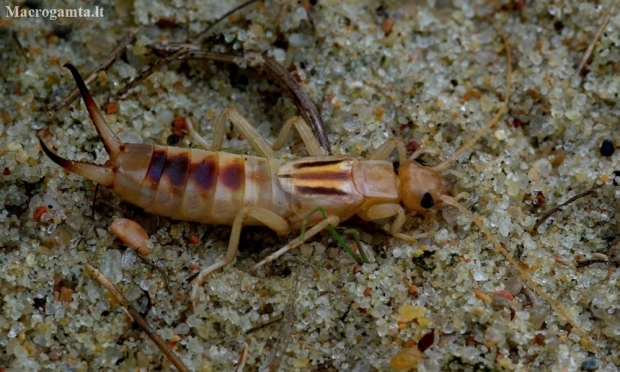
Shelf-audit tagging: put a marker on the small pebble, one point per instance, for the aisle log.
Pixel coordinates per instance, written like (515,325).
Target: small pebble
(306,250)
(20,352)
(172,140)
(111,266)
(62,31)
(590,365)
(537,317)
(387,25)
(426,341)
(405,358)
(616,175)
(502,298)
(410,312)
(319,249)
(607,148)
(513,285)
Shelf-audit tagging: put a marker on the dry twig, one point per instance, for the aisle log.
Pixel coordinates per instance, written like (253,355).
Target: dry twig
(284,335)
(149,71)
(557,208)
(135,315)
(590,49)
(239,7)
(20,47)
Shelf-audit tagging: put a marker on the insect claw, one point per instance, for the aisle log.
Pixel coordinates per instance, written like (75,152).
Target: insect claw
(99,173)
(112,144)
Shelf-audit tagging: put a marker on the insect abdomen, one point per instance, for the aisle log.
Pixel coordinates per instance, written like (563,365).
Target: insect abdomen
(193,185)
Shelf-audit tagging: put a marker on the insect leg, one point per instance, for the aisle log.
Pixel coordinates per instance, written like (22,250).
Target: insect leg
(195,135)
(267,217)
(331,220)
(258,142)
(312,145)
(382,211)
(384,151)
(341,243)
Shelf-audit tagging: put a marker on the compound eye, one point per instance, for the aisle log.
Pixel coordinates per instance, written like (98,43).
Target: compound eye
(427,201)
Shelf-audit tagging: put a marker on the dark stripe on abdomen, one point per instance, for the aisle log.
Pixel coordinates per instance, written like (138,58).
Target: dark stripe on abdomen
(156,167)
(175,169)
(316,163)
(320,190)
(204,174)
(319,176)
(233,174)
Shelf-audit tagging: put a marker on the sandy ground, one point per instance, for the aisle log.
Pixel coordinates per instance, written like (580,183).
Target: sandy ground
(429,72)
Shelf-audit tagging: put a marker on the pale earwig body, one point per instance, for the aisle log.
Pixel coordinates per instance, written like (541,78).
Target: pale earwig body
(216,187)
(212,187)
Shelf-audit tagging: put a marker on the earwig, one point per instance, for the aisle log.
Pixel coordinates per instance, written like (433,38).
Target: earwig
(220,188)
(215,187)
